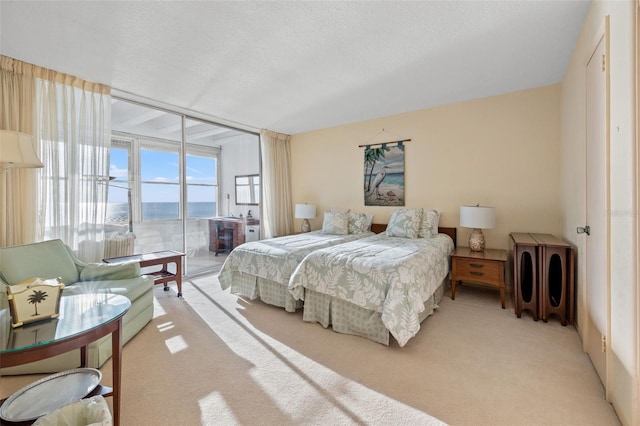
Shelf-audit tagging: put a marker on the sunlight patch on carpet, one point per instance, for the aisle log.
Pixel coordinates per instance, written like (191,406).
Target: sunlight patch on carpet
(176,344)
(165,326)
(299,387)
(215,403)
(158,310)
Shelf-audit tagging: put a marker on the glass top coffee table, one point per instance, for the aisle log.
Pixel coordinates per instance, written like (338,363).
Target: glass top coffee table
(84,318)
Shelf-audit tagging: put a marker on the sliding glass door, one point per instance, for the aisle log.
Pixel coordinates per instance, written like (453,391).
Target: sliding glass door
(165,181)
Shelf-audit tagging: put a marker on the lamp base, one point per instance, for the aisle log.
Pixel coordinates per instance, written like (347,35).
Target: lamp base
(306,226)
(476,240)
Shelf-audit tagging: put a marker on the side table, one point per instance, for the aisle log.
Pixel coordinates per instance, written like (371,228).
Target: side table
(484,267)
(157,258)
(83,319)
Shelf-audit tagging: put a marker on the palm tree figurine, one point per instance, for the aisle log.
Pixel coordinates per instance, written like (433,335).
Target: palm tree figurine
(38,296)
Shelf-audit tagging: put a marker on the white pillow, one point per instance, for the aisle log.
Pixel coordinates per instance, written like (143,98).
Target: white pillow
(405,223)
(359,222)
(336,221)
(430,221)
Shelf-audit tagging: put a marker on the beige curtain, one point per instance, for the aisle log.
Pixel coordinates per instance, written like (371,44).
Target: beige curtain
(71,121)
(17,186)
(277,207)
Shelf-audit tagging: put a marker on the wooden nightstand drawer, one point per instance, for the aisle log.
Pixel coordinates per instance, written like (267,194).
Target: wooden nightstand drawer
(486,267)
(479,269)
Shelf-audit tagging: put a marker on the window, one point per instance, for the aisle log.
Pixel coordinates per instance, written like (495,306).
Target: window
(118,204)
(202,188)
(160,181)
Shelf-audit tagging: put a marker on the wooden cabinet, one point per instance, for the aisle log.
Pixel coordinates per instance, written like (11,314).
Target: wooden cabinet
(484,267)
(240,228)
(523,249)
(543,276)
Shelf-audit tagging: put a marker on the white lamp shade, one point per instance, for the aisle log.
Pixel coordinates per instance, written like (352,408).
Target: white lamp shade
(16,150)
(478,217)
(305,211)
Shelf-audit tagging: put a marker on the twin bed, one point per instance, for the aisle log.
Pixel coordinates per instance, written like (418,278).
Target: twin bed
(261,269)
(373,283)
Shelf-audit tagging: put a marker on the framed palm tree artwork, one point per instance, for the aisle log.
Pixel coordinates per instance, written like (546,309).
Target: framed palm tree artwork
(384,174)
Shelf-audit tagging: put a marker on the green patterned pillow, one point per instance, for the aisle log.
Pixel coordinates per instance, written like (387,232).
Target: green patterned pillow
(359,222)
(405,223)
(430,221)
(336,221)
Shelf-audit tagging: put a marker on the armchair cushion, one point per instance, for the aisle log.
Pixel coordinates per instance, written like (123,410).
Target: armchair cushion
(45,259)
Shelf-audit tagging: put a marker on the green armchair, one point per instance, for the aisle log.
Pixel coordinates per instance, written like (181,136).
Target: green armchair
(53,258)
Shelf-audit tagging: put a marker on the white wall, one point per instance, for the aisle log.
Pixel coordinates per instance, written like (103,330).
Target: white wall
(623,339)
(239,156)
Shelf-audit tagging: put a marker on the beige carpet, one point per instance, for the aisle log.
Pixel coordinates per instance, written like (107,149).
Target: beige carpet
(214,359)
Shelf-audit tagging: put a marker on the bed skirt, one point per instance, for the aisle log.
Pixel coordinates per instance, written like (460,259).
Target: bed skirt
(268,291)
(347,318)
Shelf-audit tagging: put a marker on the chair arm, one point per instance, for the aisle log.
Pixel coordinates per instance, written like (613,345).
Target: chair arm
(4,302)
(110,271)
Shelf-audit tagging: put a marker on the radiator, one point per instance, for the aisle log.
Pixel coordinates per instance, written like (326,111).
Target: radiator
(117,245)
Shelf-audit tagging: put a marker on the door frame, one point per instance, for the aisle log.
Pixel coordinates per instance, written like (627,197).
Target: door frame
(635,415)
(602,35)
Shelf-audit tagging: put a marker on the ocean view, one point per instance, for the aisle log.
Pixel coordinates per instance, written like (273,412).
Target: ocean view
(119,212)
(395,179)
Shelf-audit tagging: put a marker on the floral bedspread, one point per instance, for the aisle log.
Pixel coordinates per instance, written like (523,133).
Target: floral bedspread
(390,275)
(275,259)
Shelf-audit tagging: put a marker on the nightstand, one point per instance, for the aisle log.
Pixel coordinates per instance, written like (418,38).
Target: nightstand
(483,267)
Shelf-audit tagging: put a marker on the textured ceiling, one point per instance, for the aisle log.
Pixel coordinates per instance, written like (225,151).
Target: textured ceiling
(298,66)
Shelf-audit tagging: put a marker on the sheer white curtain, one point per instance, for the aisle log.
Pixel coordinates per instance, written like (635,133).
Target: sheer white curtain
(277,208)
(73,126)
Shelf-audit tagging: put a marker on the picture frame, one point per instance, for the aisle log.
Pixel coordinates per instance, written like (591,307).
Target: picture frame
(247,190)
(384,175)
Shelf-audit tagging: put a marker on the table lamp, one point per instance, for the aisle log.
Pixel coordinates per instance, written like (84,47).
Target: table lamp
(477,217)
(16,150)
(305,212)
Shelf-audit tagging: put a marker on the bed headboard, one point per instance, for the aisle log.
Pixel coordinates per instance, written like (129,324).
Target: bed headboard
(452,232)
(378,227)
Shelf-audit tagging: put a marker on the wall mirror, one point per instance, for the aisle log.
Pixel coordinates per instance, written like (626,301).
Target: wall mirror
(248,190)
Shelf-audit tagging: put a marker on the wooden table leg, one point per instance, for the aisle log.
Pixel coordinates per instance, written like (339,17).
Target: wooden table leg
(84,356)
(116,357)
(502,296)
(179,275)
(165,270)
(453,289)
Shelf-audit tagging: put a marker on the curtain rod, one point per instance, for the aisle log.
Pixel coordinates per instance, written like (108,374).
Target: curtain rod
(383,143)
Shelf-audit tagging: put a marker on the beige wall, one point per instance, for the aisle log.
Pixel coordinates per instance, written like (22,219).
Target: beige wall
(502,151)
(622,365)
